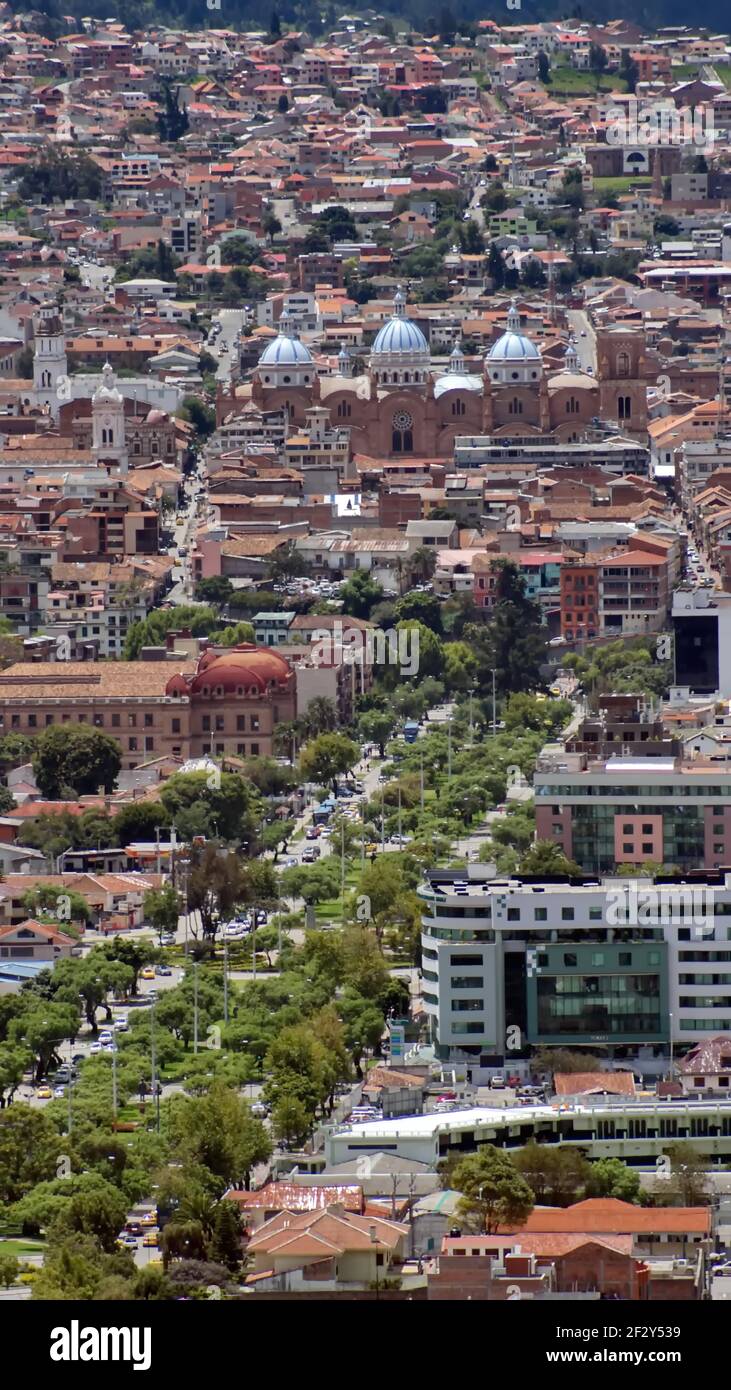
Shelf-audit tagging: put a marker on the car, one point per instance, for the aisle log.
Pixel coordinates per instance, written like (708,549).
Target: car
(498,1082)
(127,1242)
(168,939)
(105,1037)
(310,855)
(260,1109)
(133,1227)
(59,1092)
(312,832)
(163,970)
(44,1093)
(121,1024)
(149,1220)
(583,333)
(400,839)
(151,1239)
(148,972)
(94,1048)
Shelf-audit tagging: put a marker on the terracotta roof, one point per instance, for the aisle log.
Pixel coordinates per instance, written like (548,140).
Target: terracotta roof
(329,1232)
(609,1216)
(617,1083)
(710,1056)
(290,1196)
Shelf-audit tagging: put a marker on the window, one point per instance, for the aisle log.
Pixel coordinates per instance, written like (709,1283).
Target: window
(458,407)
(540,914)
(343,411)
(567,914)
(515,407)
(402,436)
(175,726)
(569,958)
(206,723)
(622,364)
(133,745)
(466,960)
(241,723)
(624,407)
(625,957)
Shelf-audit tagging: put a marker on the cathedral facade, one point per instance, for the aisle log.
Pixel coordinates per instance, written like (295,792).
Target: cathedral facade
(402,406)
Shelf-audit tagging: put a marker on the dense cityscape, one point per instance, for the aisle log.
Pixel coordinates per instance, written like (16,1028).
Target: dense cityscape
(365,674)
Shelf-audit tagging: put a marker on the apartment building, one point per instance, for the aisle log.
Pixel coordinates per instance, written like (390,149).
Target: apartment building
(622,593)
(623,963)
(633,809)
(226,702)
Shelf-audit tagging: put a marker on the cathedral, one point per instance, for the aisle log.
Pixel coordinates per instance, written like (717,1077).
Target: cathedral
(402,405)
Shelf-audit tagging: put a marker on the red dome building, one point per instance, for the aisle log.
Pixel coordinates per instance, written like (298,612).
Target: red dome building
(237,698)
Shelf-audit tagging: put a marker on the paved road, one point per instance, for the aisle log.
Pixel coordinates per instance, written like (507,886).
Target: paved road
(231,321)
(585,340)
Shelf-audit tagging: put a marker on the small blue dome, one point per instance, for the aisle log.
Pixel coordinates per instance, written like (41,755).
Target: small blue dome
(513,347)
(285,351)
(400,335)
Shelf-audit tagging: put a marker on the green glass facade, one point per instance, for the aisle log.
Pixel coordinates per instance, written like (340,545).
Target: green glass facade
(592,834)
(597,992)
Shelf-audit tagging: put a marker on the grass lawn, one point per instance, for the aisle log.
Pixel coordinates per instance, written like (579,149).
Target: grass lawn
(691,70)
(21,1248)
(621,184)
(566,81)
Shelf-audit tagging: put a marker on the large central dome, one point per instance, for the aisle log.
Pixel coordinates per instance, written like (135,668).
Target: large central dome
(286,361)
(400,353)
(514,359)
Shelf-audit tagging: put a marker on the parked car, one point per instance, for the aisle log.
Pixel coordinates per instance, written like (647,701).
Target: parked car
(498,1082)
(58,1093)
(105,1037)
(163,970)
(95,1048)
(121,1024)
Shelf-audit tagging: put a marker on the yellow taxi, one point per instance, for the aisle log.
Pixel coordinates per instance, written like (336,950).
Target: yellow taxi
(148,973)
(148,1220)
(151,1238)
(555,689)
(44,1093)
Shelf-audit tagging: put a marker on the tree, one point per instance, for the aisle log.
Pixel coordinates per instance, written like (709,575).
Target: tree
(544,68)
(140,820)
(546,857)
(494,1193)
(556,1176)
(628,70)
(78,757)
(201,416)
(216,805)
(162,908)
(320,716)
(9,1269)
(217,589)
(360,594)
(218,1131)
(283,108)
(291,1123)
(225,1244)
(13,1062)
(171,120)
(28,1150)
(328,757)
(422,564)
(275,27)
(561,1060)
(514,642)
(59,175)
(100,1213)
(376,727)
(421,608)
(597,59)
(610,1177)
(689,1182)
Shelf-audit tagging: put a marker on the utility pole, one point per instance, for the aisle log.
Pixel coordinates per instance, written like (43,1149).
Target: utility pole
(449,746)
(342,869)
(195,1007)
(153,1066)
(71,1087)
(225,982)
(421,780)
(494,704)
(383,832)
(253,942)
(114,1081)
(399,814)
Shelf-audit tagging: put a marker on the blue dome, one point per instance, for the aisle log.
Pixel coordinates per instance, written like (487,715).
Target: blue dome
(400,335)
(514,347)
(284,351)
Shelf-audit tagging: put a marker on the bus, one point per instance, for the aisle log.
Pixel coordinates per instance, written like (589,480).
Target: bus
(411,731)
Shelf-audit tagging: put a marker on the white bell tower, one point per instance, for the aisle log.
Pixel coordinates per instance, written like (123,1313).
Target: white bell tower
(107,422)
(50,368)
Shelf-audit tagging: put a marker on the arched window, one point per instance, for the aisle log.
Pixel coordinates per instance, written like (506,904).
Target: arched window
(407,376)
(343,410)
(515,407)
(458,407)
(622,364)
(572,406)
(402,437)
(624,407)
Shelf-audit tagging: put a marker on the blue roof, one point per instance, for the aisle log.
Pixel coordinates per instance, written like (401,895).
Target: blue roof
(514,347)
(400,335)
(284,351)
